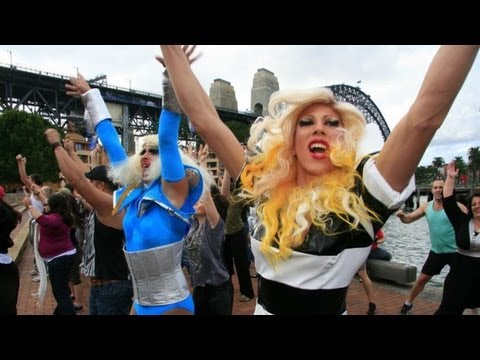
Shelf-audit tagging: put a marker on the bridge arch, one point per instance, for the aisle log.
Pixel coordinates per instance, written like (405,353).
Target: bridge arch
(364,103)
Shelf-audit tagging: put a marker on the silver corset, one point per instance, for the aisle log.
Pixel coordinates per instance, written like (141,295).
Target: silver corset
(157,275)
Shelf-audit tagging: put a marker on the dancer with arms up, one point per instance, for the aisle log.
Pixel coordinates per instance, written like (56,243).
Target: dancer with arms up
(319,201)
(161,187)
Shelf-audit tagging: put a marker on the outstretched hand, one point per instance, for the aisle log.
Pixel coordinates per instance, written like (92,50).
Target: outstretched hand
(203,155)
(77,86)
(452,172)
(188,50)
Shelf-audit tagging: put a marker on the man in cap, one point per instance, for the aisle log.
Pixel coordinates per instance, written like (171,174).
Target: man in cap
(103,259)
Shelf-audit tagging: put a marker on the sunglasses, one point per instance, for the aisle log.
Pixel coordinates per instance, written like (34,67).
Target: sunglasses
(153,151)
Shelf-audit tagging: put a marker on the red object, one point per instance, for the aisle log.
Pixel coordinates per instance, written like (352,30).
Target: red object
(378,235)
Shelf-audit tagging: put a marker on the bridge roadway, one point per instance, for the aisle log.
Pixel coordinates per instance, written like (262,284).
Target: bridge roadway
(25,88)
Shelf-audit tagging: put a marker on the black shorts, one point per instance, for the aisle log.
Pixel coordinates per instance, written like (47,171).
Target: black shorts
(436,262)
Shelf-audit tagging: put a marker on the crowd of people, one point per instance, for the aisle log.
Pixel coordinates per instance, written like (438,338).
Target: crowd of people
(319,204)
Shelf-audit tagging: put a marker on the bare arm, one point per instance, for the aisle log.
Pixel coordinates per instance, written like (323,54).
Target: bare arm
(200,110)
(33,211)
(101,201)
(452,173)
(22,162)
(226,182)
(210,210)
(406,145)
(70,149)
(413,216)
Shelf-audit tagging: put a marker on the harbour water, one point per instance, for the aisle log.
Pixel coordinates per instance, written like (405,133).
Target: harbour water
(410,244)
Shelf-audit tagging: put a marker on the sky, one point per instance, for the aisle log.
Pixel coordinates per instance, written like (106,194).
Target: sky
(390,74)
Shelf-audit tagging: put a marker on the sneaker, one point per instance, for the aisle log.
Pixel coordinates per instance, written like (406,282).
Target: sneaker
(244,298)
(371,309)
(405,309)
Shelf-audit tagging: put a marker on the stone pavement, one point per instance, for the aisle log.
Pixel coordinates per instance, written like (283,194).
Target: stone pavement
(389,297)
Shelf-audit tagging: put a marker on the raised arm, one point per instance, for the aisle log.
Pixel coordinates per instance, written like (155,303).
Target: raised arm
(70,149)
(97,116)
(406,145)
(226,183)
(98,199)
(449,185)
(210,209)
(200,110)
(22,171)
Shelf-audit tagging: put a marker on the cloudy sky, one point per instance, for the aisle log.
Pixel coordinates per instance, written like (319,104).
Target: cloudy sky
(391,75)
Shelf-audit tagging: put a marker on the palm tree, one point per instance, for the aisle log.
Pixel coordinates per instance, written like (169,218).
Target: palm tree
(460,165)
(474,161)
(462,169)
(439,164)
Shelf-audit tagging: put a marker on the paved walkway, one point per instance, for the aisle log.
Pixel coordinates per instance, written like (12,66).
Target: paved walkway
(389,298)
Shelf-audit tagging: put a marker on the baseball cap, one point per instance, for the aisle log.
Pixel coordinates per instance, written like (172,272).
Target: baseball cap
(99,172)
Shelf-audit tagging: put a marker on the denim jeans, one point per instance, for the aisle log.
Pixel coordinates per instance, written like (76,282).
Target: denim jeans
(111,299)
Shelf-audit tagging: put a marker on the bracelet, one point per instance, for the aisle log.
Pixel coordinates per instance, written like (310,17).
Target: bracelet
(56,144)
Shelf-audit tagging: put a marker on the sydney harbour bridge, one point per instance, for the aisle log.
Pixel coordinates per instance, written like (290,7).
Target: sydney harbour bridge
(133,112)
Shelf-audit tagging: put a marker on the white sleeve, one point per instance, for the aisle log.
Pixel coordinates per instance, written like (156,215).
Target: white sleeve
(95,106)
(381,189)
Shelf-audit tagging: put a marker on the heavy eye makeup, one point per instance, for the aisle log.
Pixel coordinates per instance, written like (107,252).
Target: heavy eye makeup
(305,122)
(333,122)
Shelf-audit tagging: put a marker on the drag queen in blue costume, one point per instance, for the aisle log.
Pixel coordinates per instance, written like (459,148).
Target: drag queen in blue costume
(320,199)
(157,208)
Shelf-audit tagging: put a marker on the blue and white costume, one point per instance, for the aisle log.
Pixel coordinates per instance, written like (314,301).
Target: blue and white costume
(154,228)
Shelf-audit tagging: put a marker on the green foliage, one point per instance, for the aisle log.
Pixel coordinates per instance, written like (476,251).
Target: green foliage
(474,161)
(460,165)
(22,133)
(424,175)
(438,162)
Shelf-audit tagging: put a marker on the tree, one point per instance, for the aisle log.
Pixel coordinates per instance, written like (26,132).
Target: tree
(460,165)
(474,161)
(22,133)
(424,175)
(439,164)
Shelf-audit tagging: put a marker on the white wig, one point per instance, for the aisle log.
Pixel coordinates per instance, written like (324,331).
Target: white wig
(130,172)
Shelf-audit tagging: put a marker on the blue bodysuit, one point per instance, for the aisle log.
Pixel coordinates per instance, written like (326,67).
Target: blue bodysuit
(154,228)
